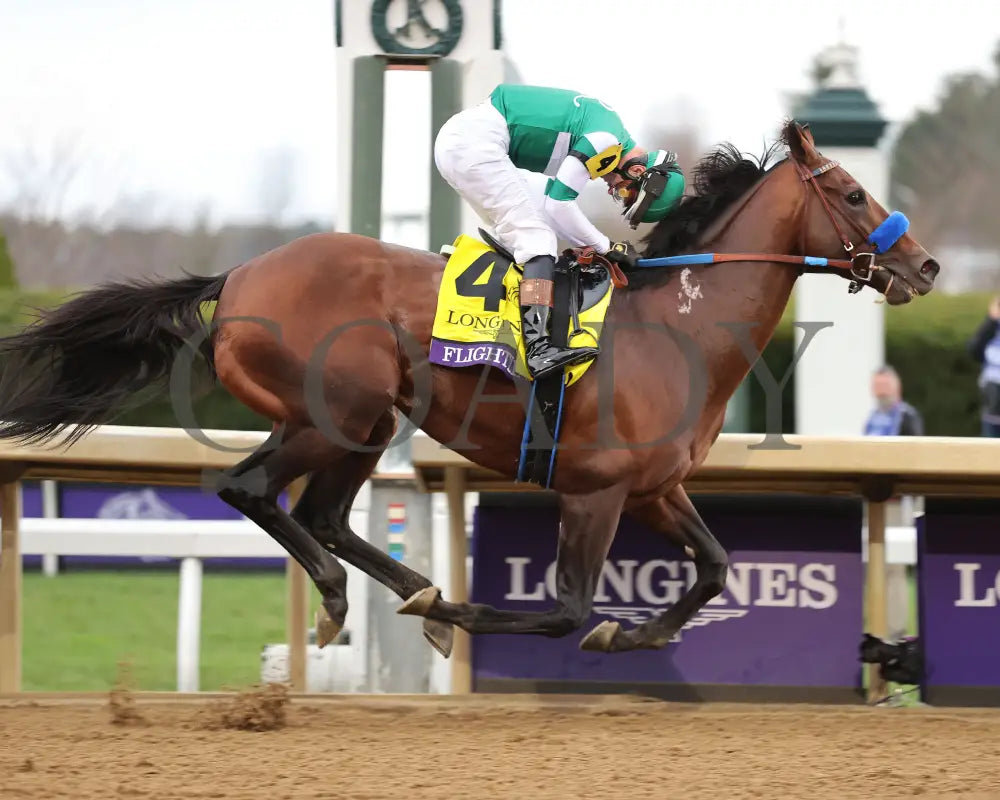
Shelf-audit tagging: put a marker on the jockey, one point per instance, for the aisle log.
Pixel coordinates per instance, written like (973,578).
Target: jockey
(572,139)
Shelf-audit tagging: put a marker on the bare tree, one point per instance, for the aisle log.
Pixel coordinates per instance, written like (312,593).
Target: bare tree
(59,196)
(40,178)
(144,209)
(277,183)
(203,244)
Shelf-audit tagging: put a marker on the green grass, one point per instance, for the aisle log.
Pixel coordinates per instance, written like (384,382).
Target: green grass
(79,626)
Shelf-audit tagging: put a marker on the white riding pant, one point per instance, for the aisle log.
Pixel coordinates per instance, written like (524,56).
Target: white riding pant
(471,153)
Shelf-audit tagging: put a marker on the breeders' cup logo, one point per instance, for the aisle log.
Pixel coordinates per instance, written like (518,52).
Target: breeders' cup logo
(636,592)
(638,615)
(141,504)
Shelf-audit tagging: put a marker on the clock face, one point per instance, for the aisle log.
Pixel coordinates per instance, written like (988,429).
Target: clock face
(417,27)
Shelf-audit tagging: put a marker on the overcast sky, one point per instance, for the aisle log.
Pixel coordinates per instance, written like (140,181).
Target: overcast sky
(180,101)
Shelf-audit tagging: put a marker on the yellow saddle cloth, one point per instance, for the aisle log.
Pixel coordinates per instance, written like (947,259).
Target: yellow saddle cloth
(478,319)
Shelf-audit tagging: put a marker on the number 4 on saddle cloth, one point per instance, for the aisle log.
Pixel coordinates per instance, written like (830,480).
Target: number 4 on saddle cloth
(478,323)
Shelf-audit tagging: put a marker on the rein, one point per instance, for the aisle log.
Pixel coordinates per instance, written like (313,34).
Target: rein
(880,239)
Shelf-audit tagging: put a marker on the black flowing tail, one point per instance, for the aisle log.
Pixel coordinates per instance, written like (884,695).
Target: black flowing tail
(85,362)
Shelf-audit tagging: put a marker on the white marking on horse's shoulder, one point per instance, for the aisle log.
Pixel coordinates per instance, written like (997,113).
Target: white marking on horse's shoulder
(689,292)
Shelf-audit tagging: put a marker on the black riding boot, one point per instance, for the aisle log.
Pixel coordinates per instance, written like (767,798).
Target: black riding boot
(536,310)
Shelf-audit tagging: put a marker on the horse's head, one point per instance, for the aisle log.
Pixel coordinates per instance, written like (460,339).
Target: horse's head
(842,217)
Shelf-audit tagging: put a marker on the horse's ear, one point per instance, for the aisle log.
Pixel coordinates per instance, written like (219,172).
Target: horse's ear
(806,134)
(801,143)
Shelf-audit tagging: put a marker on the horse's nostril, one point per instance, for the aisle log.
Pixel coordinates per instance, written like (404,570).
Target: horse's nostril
(930,268)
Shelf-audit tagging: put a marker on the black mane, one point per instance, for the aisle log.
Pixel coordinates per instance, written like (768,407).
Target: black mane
(719,179)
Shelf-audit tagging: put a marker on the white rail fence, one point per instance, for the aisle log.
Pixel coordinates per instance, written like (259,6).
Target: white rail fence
(191,541)
(188,540)
(341,668)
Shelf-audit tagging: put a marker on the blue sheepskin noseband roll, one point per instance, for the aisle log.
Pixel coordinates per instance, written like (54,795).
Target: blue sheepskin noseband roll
(889,232)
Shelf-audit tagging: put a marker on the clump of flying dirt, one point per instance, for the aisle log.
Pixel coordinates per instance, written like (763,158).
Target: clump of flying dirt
(258,708)
(121,701)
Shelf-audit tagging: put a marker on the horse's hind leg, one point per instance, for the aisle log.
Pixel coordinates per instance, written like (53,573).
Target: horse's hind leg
(253,487)
(587,528)
(676,518)
(325,508)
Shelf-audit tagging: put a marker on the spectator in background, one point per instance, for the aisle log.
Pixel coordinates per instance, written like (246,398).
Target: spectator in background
(985,348)
(892,416)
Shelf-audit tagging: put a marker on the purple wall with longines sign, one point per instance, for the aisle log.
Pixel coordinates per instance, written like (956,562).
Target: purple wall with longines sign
(959,601)
(788,623)
(130,501)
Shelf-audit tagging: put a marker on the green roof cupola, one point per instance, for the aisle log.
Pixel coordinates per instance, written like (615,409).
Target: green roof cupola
(839,111)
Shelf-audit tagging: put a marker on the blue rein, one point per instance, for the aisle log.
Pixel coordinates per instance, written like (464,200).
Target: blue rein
(881,239)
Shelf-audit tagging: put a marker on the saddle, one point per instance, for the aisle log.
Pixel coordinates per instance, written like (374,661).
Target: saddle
(588,276)
(581,280)
(477,323)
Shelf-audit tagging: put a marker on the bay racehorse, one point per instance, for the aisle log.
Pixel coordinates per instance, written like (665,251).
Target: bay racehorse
(328,337)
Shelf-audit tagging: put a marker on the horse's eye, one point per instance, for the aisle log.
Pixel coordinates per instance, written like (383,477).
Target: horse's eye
(856,198)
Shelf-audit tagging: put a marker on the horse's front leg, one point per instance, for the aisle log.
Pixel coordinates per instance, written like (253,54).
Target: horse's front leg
(676,518)
(586,529)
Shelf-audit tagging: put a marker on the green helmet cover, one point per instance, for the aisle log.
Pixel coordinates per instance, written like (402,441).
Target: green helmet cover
(660,189)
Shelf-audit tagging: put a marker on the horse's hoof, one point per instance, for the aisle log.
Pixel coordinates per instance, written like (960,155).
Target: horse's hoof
(599,640)
(440,635)
(420,603)
(326,629)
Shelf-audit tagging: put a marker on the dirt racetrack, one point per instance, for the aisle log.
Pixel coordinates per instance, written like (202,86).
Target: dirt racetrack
(494,748)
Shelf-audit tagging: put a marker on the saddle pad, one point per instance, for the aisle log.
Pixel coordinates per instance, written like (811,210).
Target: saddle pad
(478,319)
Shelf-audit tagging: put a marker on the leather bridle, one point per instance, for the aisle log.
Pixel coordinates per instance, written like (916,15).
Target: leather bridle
(860,271)
(861,266)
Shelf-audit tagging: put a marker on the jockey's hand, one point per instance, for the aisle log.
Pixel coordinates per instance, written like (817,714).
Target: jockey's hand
(623,254)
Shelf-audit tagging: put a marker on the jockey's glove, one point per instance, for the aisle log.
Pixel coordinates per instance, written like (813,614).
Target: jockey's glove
(623,254)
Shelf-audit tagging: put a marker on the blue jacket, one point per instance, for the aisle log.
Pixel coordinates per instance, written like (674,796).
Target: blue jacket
(984,346)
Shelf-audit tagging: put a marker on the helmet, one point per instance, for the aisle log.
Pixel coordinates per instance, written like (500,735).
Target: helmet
(650,197)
